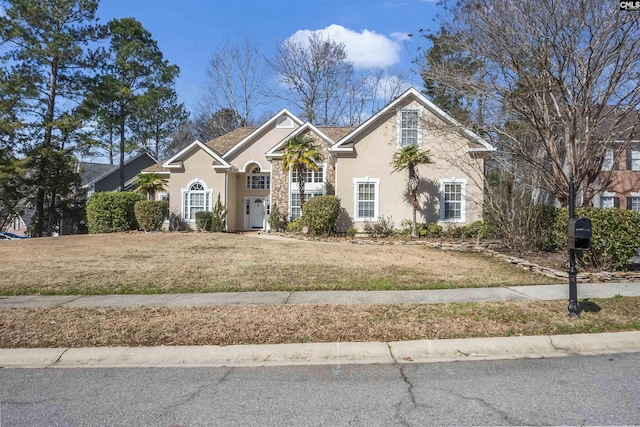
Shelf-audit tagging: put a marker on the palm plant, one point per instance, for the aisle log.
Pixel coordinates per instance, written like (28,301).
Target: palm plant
(150,184)
(301,154)
(408,158)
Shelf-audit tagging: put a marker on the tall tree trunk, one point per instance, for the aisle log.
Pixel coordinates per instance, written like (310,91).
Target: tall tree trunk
(301,181)
(111,146)
(48,131)
(122,129)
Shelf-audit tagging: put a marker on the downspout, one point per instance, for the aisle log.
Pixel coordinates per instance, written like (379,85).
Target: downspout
(226,200)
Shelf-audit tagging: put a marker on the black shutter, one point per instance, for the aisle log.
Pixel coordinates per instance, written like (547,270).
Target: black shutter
(628,159)
(629,201)
(616,202)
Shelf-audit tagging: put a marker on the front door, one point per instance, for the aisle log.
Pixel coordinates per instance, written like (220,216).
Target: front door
(257,213)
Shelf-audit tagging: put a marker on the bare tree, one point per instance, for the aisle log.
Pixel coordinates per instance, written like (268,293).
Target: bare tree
(236,81)
(558,83)
(315,77)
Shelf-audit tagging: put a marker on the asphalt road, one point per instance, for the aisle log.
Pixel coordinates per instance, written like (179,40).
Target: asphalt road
(602,390)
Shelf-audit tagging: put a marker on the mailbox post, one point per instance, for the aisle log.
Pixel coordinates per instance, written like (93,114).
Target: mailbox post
(578,239)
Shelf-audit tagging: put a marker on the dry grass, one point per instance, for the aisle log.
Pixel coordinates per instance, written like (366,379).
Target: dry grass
(154,326)
(203,262)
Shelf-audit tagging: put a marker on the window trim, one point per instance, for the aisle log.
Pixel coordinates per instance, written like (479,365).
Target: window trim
(463,200)
(607,195)
(413,108)
(249,179)
(632,159)
(208,193)
(317,188)
(356,200)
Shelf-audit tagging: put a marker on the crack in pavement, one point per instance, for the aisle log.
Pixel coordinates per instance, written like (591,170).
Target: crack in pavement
(504,415)
(58,359)
(190,396)
(400,415)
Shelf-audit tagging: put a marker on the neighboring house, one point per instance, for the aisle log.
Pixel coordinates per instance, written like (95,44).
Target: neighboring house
(624,190)
(622,163)
(245,168)
(98,177)
(19,224)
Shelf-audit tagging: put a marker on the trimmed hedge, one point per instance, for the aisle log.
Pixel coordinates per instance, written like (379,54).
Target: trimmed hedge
(150,214)
(321,214)
(615,235)
(112,211)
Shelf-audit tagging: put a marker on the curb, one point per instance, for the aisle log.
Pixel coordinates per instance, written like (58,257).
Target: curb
(398,352)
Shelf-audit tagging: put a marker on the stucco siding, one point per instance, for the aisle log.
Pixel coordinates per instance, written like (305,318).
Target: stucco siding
(374,152)
(197,165)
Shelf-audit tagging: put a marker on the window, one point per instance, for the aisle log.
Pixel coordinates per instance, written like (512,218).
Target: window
(296,210)
(409,128)
(366,197)
(314,186)
(311,176)
(16,223)
(633,203)
(635,160)
(257,180)
(452,200)
(608,200)
(607,163)
(196,199)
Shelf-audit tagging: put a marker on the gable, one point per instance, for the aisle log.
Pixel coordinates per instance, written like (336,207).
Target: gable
(327,135)
(431,113)
(176,162)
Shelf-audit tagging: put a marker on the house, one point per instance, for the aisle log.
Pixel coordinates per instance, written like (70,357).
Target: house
(98,177)
(20,223)
(621,164)
(244,168)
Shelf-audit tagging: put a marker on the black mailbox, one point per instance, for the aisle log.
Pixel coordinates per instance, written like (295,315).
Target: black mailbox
(579,234)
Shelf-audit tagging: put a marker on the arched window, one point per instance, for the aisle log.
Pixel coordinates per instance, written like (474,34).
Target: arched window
(257,180)
(195,199)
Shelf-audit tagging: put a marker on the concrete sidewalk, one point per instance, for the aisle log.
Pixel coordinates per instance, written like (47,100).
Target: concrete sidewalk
(513,293)
(327,353)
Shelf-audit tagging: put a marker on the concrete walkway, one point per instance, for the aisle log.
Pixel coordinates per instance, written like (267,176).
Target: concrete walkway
(327,353)
(513,293)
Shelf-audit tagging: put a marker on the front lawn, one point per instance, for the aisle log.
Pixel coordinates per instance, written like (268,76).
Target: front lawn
(141,263)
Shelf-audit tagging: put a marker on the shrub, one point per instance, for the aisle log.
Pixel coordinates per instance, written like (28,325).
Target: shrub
(614,238)
(321,214)
(433,229)
(150,214)
(112,211)
(352,231)
(277,220)
(405,228)
(452,231)
(472,230)
(219,217)
(203,220)
(383,227)
(295,226)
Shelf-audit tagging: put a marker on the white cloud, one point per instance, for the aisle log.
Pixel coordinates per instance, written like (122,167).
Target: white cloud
(401,37)
(366,49)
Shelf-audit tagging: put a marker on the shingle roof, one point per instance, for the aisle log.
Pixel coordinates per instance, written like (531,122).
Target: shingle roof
(89,171)
(226,142)
(336,133)
(157,168)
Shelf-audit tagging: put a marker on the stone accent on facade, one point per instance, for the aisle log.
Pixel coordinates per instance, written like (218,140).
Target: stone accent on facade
(280,178)
(279,186)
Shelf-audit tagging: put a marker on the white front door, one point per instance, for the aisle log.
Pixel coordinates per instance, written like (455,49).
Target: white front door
(257,212)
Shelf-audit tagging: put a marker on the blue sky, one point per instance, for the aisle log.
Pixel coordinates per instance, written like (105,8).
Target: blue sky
(189,31)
